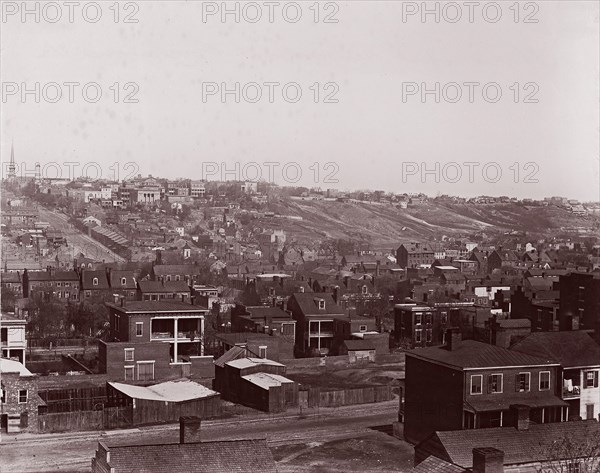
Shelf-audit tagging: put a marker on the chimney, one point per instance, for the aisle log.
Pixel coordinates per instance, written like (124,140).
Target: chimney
(192,300)
(189,429)
(453,338)
(521,414)
(122,301)
(488,460)
(336,291)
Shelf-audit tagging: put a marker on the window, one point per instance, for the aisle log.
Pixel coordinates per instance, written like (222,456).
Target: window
(574,467)
(95,281)
(591,379)
(364,289)
(139,329)
(2,396)
(476,383)
(58,284)
(262,351)
(88,293)
(495,383)
(321,304)
(271,291)
(22,396)
(427,318)
(67,294)
(145,370)
(362,328)
(418,318)
(444,317)
(129,354)
(522,384)
(428,335)
(539,315)
(544,380)
(418,335)
(129,373)
(123,281)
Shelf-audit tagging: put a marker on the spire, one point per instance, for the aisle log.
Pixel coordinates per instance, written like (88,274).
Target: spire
(11,167)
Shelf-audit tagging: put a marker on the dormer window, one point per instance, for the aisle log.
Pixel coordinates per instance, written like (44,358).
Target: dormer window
(320,303)
(123,281)
(364,289)
(271,291)
(95,281)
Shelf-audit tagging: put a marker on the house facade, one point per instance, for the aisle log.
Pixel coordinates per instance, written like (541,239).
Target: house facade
(472,385)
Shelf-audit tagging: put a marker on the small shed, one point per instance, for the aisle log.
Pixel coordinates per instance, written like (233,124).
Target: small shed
(358,350)
(165,402)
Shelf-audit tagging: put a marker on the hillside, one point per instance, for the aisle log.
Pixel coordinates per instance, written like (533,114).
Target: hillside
(382,224)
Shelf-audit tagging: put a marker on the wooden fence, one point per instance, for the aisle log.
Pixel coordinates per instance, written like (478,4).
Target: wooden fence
(108,418)
(71,400)
(315,397)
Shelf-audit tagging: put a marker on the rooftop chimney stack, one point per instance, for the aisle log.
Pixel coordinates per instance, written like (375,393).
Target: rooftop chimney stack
(453,338)
(189,429)
(488,460)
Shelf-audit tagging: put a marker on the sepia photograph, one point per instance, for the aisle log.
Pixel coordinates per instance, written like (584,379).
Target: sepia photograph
(300,236)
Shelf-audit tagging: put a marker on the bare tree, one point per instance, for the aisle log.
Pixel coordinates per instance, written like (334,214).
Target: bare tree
(571,455)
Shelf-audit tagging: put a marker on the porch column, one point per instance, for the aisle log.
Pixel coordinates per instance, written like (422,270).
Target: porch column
(501,412)
(319,336)
(175,328)
(202,336)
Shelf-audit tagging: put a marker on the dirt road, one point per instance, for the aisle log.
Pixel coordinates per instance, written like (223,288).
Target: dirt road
(72,452)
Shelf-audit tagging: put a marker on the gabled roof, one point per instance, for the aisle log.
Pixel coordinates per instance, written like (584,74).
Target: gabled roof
(232,354)
(115,278)
(471,354)
(12,366)
(232,456)
(12,277)
(570,349)
(309,306)
(87,280)
(519,446)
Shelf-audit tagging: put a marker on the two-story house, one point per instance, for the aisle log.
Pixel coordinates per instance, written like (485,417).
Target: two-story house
(19,400)
(471,385)
(12,337)
(123,284)
(64,285)
(411,255)
(12,281)
(149,339)
(94,286)
(314,313)
(579,358)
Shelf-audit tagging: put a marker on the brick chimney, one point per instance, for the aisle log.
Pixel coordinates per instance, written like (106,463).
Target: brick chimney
(488,460)
(189,429)
(521,415)
(453,338)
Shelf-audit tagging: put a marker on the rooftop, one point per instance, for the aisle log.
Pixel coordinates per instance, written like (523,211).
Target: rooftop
(570,349)
(12,366)
(170,391)
(266,380)
(469,354)
(232,456)
(519,446)
(156,306)
(242,363)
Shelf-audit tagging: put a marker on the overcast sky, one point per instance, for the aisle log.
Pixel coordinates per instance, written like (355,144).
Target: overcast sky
(375,136)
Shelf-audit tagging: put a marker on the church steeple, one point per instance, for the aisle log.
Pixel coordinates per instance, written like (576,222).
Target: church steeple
(12,169)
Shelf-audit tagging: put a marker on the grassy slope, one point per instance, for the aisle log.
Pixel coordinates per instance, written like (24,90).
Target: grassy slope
(383,224)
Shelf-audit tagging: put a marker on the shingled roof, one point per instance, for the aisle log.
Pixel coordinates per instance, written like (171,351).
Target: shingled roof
(570,349)
(436,465)
(519,446)
(468,354)
(232,456)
